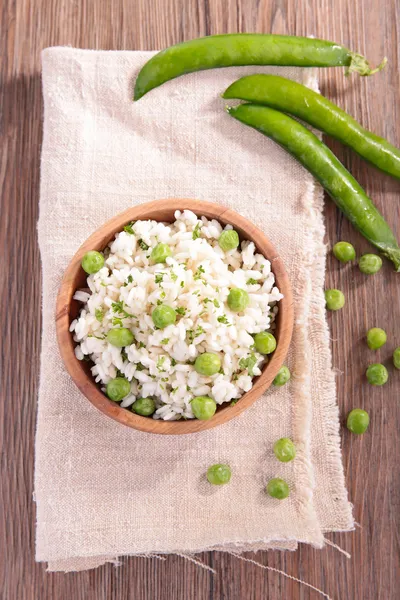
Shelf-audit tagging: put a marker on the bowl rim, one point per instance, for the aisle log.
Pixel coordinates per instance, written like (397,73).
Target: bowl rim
(98,241)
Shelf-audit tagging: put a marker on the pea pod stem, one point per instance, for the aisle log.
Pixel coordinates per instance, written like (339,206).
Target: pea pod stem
(296,99)
(238,49)
(345,191)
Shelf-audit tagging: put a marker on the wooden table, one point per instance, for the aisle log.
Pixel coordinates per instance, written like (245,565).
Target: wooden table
(371,462)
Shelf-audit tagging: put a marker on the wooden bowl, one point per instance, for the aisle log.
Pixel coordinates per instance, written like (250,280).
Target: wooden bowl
(75,278)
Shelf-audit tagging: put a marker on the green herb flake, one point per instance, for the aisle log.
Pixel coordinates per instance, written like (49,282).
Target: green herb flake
(117,321)
(118,307)
(173,362)
(129,228)
(99,314)
(182,284)
(188,389)
(196,231)
(251,281)
(223,319)
(140,367)
(142,345)
(173,276)
(165,341)
(174,390)
(180,311)
(143,244)
(162,295)
(124,355)
(248,363)
(160,362)
(234,402)
(103,284)
(216,303)
(200,271)
(164,379)
(159,277)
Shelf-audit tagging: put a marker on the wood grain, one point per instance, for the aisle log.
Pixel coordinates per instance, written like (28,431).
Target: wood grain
(371,461)
(75,278)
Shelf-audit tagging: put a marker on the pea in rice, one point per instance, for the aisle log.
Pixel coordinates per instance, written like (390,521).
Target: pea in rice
(183,267)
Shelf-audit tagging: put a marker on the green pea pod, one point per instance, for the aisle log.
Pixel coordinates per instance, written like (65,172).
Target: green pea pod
(238,49)
(323,164)
(298,100)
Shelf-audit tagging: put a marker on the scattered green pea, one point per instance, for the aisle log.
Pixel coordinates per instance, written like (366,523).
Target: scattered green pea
(92,262)
(284,450)
(238,299)
(219,474)
(357,421)
(228,240)
(370,264)
(282,377)
(163,315)
(334,299)
(118,388)
(203,407)
(376,338)
(207,364)
(144,407)
(396,358)
(160,253)
(265,342)
(120,337)
(278,488)
(377,374)
(344,251)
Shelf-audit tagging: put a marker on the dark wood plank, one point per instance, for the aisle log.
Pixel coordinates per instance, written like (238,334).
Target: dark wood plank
(371,463)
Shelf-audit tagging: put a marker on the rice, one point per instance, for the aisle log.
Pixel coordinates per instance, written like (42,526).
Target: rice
(195,281)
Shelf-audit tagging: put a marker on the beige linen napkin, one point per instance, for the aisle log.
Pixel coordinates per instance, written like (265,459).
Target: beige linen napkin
(103,490)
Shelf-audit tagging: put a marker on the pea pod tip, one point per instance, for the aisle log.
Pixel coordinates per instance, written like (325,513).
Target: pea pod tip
(359,64)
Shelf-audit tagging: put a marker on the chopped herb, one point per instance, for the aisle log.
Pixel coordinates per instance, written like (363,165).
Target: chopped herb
(159,277)
(235,377)
(173,276)
(98,337)
(165,341)
(180,311)
(164,379)
(99,314)
(117,321)
(142,345)
(248,363)
(196,293)
(188,388)
(182,284)
(174,390)
(162,387)
(200,271)
(159,302)
(140,367)
(190,362)
(221,371)
(118,307)
(203,313)
(119,373)
(173,362)
(207,300)
(124,355)
(103,284)
(129,228)
(162,295)
(251,281)
(223,320)
(234,402)
(143,244)
(261,267)
(216,303)
(193,334)
(196,231)
(160,362)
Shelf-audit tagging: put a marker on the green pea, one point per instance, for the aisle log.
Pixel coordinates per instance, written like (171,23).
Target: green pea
(358,421)
(238,299)
(144,407)
(284,450)
(228,240)
(278,488)
(265,342)
(207,364)
(377,374)
(334,299)
(396,358)
(376,338)
(282,377)
(160,253)
(370,264)
(344,251)
(120,337)
(118,388)
(219,474)
(203,407)
(163,315)
(92,262)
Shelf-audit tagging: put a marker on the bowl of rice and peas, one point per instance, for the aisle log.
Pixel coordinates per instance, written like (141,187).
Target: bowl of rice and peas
(175,316)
